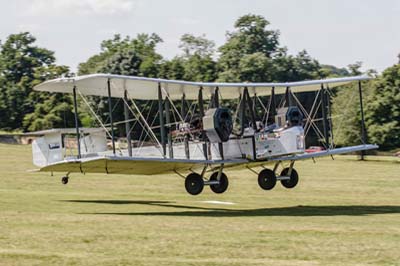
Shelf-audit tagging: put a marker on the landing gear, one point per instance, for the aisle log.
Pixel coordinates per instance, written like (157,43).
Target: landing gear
(293,179)
(267,179)
(64,180)
(194,184)
(222,185)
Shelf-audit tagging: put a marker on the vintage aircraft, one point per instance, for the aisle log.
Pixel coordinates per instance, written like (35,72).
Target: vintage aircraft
(202,138)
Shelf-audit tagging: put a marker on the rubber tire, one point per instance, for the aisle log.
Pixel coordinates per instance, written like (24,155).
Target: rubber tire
(293,181)
(194,184)
(267,179)
(223,183)
(64,180)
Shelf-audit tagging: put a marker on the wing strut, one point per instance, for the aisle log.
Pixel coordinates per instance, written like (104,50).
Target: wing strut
(184,114)
(249,103)
(242,112)
(110,114)
(330,124)
(201,111)
(76,123)
(324,115)
(168,121)
(363,130)
(272,108)
(127,124)
(214,101)
(288,97)
(216,97)
(161,115)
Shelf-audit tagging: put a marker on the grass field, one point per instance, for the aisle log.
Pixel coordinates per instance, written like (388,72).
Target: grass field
(344,212)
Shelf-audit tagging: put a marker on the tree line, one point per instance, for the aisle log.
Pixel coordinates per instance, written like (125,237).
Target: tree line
(252,52)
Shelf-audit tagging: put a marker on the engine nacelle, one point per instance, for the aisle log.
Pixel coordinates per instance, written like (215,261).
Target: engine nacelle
(218,125)
(289,117)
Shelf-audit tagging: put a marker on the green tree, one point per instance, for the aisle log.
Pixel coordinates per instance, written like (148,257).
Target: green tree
(54,112)
(122,56)
(125,56)
(346,109)
(346,114)
(333,71)
(51,110)
(192,45)
(250,36)
(252,53)
(172,69)
(296,68)
(197,60)
(383,109)
(23,65)
(256,67)
(108,48)
(355,69)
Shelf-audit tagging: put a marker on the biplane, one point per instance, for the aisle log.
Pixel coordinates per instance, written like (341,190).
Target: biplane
(193,129)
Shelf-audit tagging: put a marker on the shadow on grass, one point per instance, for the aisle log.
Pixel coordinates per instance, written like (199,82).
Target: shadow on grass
(146,202)
(345,210)
(117,202)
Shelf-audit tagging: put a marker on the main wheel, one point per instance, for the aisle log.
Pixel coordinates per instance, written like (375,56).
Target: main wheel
(294,178)
(64,180)
(267,179)
(194,184)
(223,183)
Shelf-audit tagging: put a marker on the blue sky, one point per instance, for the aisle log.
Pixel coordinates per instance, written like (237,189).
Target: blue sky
(334,32)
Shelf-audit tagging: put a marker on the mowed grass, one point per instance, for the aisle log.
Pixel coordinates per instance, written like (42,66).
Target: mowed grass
(343,212)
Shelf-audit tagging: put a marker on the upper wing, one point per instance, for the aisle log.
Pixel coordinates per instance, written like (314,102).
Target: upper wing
(147,88)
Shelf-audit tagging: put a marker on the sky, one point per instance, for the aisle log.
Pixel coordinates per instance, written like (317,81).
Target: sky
(336,32)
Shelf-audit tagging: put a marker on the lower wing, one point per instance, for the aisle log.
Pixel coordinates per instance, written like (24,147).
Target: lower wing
(153,166)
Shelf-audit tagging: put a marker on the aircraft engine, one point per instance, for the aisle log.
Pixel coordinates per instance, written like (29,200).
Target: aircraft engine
(218,125)
(289,117)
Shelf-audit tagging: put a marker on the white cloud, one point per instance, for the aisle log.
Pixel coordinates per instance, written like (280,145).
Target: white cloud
(96,7)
